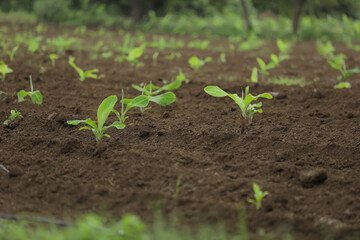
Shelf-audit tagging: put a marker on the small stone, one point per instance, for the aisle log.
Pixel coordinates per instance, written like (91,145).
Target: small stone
(310,178)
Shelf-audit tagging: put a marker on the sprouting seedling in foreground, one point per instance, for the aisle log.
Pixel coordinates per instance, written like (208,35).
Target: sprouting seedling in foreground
(244,102)
(13,115)
(338,62)
(35,96)
(4,69)
(258,196)
(83,74)
(105,108)
(196,63)
(12,53)
(53,57)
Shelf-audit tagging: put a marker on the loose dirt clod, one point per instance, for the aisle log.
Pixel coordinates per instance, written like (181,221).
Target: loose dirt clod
(310,178)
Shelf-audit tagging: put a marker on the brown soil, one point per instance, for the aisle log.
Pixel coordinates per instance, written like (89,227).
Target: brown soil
(304,149)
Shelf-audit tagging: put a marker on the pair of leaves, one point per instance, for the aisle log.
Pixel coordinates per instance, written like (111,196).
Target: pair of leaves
(143,101)
(13,116)
(265,67)
(35,96)
(196,63)
(105,108)
(258,196)
(83,74)
(247,109)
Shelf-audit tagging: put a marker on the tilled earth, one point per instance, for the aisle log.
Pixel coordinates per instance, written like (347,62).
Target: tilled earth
(304,149)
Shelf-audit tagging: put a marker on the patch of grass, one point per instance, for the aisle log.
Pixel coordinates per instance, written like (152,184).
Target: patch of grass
(288,81)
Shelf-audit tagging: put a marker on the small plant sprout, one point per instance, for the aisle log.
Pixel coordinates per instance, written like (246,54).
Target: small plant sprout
(14,114)
(222,58)
(155,57)
(173,55)
(105,108)
(35,96)
(196,63)
(34,44)
(133,56)
(53,57)
(4,69)
(258,196)
(325,49)
(83,74)
(265,67)
(284,49)
(338,63)
(12,53)
(247,109)
(254,75)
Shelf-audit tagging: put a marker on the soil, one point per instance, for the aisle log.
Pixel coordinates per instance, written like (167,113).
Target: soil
(304,149)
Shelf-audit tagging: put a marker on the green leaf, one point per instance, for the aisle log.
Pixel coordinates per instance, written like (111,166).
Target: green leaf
(139,101)
(215,91)
(21,95)
(172,86)
(118,125)
(163,99)
(343,85)
(36,97)
(104,110)
(90,74)
(254,75)
(86,128)
(194,61)
(137,87)
(261,63)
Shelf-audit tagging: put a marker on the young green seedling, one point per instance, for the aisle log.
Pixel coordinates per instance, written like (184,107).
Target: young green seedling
(265,67)
(83,74)
(14,114)
(325,49)
(254,75)
(247,109)
(4,69)
(338,63)
(12,53)
(222,58)
(34,44)
(53,57)
(196,63)
(155,57)
(105,108)
(284,49)
(172,55)
(35,96)
(258,196)
(134,56)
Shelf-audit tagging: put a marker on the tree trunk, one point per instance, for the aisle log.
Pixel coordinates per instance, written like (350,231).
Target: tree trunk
(296,16)
(246,15)
(136,10)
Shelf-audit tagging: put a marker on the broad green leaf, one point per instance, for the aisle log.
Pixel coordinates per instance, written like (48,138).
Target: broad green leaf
(343,85)
(86,128)
(239,101)
(256,188)
(137,87)
(36,97)
(90,74)
(135,53)
(215,91)
(163,99)
(104,110)
(139,101)
(118,125)
(254,75)
(334,65)
(21,95)
(261,63)
(353,71)
(194,61)
(172,86)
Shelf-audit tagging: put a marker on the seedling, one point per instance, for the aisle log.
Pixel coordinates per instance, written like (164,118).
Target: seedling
(325,49)
(172,55)
(254,75)
(196,63)
(53,57)
(252,43)
(4,69)
(284,49)
(338,63)
(133,56)
(35,96)
(247,109)
(265,67)
(105,108)
(12,53)
(222,58)
(60,44)
(83,74)
(33,44)
(258,196)
(155,57)
(14,114)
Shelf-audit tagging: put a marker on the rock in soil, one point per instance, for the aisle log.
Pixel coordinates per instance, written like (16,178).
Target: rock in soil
(313,177)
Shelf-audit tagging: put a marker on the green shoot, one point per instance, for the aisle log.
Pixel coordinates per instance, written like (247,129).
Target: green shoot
(222,58)
(35,96)
(140,101)
(105,108)
(265,67)
(34,44)
(247,109)
(338,62)
(172,55)
(4,69)
(196,63)
(325,49)
(14,114)
(12,53)
(53,57)
(133,56)
(284,49)
(258,196)
(155,57)
(254,75)
(83,75)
